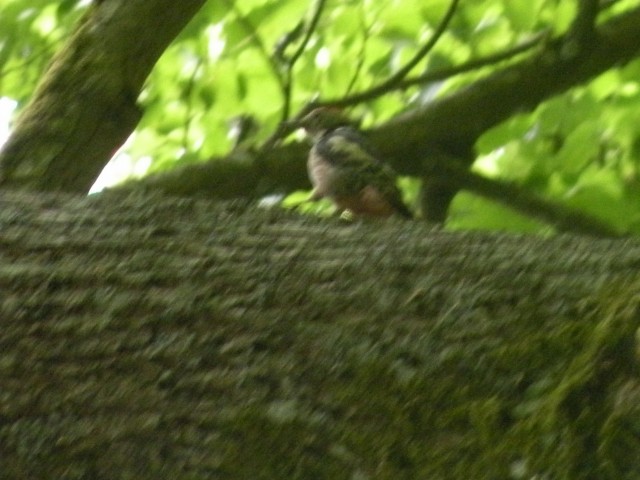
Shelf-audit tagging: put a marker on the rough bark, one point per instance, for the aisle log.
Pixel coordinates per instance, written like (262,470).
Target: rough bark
(85,106)
(145,337)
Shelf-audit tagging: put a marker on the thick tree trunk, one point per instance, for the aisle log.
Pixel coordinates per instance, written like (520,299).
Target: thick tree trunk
(85,106)
(144,337)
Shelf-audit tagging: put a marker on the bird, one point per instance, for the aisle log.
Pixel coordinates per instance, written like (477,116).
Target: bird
(344,167)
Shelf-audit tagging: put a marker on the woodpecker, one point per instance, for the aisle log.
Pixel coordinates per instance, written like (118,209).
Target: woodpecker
(343,167)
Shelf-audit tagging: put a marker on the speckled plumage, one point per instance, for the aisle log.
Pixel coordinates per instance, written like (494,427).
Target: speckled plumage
(344,168)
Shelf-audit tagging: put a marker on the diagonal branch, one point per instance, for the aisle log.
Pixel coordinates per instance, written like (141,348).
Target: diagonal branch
(313,24)
(391,83)
(404,71)
(516,88)
(559,216)
(188,95)
(474,64)
(366,31)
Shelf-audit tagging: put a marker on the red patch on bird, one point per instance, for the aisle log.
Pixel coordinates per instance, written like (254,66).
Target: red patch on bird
(369,202)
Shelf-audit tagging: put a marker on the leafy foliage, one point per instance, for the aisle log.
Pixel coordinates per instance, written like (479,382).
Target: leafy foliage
(241,58)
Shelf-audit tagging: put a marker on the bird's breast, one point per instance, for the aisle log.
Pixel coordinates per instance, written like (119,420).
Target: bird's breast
(320,173)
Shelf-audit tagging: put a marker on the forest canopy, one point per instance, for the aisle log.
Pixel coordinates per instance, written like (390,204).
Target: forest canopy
(259,63)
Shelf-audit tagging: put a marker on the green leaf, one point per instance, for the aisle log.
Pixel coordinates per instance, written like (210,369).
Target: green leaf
(470,212)
(522,15)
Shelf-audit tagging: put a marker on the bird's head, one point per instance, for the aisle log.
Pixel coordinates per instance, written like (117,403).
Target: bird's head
(324,119)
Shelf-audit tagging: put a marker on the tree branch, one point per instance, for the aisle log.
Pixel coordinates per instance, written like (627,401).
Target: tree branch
(148,337)
(361,55)
(315,18)
(391,83)
(288,79)
(473,64)
(286,127)
(581,34)
(561,217)
(243,175)
(188,98)
(496,97)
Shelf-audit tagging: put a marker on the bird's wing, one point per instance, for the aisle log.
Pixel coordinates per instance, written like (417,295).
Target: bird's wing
(347,151)
(346,146)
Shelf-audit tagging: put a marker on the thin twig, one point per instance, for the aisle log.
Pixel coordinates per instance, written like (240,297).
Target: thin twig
(390,83)
(189,107)
(286,126)
(473,64)
(283,129)
(439,75)
(404,71)
(287,39)
(259,44)
(288,76)
(366,30)
(320,4)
